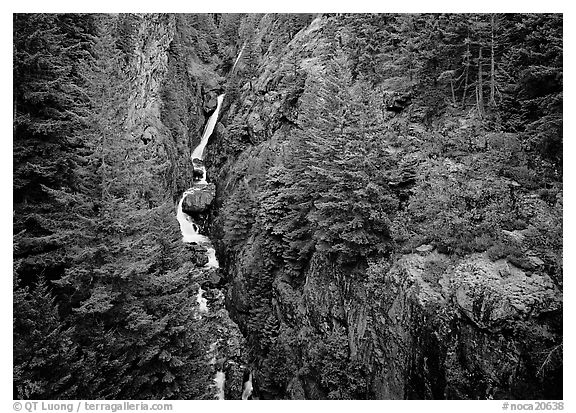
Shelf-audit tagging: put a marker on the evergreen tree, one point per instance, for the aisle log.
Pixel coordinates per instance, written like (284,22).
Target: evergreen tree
(46,359)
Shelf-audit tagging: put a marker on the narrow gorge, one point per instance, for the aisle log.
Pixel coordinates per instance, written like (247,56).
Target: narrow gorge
(288,206)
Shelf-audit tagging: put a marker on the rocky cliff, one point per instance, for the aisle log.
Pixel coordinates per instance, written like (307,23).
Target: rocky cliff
(441,317)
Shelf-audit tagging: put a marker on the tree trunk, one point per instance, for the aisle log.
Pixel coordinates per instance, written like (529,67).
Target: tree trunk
(480,96)
(14,113)
(466,79)
(492,68)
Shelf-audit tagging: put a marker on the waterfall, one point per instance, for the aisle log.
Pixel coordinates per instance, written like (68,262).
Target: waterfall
(219,381)
(202,302)
(189,229)
(247,386)
(238,58)
(191,234)
(199,151)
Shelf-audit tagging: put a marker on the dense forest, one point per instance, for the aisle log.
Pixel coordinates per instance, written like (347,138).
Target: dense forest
(387,214)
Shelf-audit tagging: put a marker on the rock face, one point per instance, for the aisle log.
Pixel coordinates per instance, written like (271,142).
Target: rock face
(428,327)
(418,325)
(199,170)
(469,329)
(210,91)
(199,198)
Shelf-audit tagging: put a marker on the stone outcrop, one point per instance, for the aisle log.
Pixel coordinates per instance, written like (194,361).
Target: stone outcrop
(210,101)
(210,91)
(199,169)
(466,329)
(200,257)
(430,327)
(396,102)
(198,198)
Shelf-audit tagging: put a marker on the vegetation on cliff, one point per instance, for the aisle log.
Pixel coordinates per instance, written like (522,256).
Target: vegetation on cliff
(104,290)
(347,146)
(368,137)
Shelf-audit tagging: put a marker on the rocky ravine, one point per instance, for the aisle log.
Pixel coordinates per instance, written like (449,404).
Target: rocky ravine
(172,96)
(422,325)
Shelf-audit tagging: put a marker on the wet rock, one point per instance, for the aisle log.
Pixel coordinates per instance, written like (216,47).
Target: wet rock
(200,255)
(424,249)
(198,198)
(396,101)
(212,87)
(212,281)
(210,102)
(198,169)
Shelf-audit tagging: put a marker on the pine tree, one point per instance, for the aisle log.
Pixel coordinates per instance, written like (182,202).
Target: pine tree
(46,359)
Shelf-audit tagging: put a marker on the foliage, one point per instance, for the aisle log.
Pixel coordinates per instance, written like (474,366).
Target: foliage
(103,301)
(103,297)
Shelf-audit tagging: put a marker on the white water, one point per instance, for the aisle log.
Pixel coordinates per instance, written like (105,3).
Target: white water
(212,261)
(202,302)
(203,180)
(247,388)
(191,234)
(238,58)
(219,381)
(189,229)
(199,151)
(220,377)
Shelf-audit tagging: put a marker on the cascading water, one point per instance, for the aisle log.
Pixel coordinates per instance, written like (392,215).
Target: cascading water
(238,58)
(199,151)
(191,231)
(219,381)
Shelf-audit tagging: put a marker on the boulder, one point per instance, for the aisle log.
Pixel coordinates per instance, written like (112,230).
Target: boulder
(200,255)
(515,236)
(396,102)
(424,249)
(198,198)
(214,84)
(198,169)
(255,123)
(536,262)
(213,280)
(210,102)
